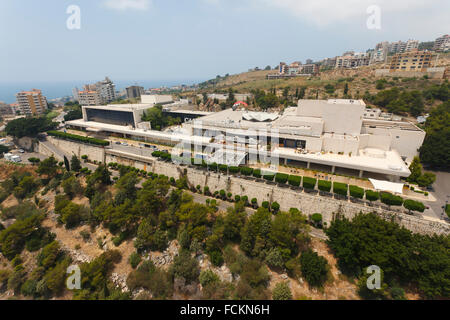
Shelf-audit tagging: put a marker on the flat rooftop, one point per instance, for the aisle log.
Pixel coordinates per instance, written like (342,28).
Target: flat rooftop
(391,164)
(122,107)
(386,124)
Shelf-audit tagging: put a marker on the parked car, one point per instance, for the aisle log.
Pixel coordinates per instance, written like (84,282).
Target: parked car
(118,142)
(125,144)
(21,151)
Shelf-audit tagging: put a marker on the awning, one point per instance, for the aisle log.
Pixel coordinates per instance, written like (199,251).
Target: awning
(381,185)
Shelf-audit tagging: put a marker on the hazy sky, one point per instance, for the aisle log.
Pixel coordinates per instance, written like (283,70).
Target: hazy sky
(195,39)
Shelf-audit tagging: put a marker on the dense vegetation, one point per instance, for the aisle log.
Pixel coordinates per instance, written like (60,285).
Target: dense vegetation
(436,147)
(29,127)
(405,258)
(158,119)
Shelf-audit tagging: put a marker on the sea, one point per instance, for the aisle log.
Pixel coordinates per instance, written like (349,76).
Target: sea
(54,90)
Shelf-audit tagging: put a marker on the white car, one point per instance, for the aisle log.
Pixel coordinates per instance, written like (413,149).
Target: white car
(21,151)
(125,144)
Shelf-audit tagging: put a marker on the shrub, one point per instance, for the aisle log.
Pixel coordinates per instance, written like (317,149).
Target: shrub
(281,292)
(414,205)
(340,188)
(294,180)
(216,258)
(356,192)
(257,173)
(237,198)
(265,204)
(275,207)
(269,176)
(134,260)
(316,218)
(372,195)
(281,177)
(309,183)
(245,199)
(74,137)
(223,168)
(324,185)
(246,171)
(254,202)
(390,199)
(208,277)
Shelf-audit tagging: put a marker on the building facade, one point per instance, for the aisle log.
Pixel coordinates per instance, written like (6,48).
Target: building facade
(442,44)
(353,61)
(134,92)
(414,60)
(31,103)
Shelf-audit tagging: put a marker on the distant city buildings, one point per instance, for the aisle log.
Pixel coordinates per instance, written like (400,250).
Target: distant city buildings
(442,44)
(31,102)
(414,60)
(134,92)
(102,92)
(400,46)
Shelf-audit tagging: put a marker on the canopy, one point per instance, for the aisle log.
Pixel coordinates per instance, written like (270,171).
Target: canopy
(381,185)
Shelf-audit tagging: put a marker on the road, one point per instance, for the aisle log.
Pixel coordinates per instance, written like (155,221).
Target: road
(441,192)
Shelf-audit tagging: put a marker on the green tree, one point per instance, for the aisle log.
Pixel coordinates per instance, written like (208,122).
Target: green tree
(314,268)
(48,167)
(436,147)
(75,164)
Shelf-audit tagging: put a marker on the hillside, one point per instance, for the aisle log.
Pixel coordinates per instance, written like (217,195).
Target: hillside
(361,82)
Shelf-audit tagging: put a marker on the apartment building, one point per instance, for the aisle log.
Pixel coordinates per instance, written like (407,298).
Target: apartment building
(400,46)
(413,60)
(353,61)
(31,102)
(105,93)
(442,44)
(89,98)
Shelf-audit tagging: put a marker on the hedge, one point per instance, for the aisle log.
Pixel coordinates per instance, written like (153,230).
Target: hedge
(324,185)
(390,199)
(233,169)
(340,188)
(269,176)
(372,195)
(356,192)
(309,183)
(294,180)
(213,166)
(257,173)
(223,167)
(74,137)
(246,171)
(281,177)
(414,205)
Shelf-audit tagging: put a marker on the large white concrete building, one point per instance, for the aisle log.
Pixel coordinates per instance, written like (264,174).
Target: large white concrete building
(333,135)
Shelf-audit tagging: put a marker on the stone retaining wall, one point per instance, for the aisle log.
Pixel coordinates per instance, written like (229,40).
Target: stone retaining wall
(262,191)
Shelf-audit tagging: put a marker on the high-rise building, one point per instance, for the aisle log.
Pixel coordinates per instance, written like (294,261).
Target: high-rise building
(134,92)
(442,44)
(106,89)
(89,98)
(102,92)
(411,61)
(31,102)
